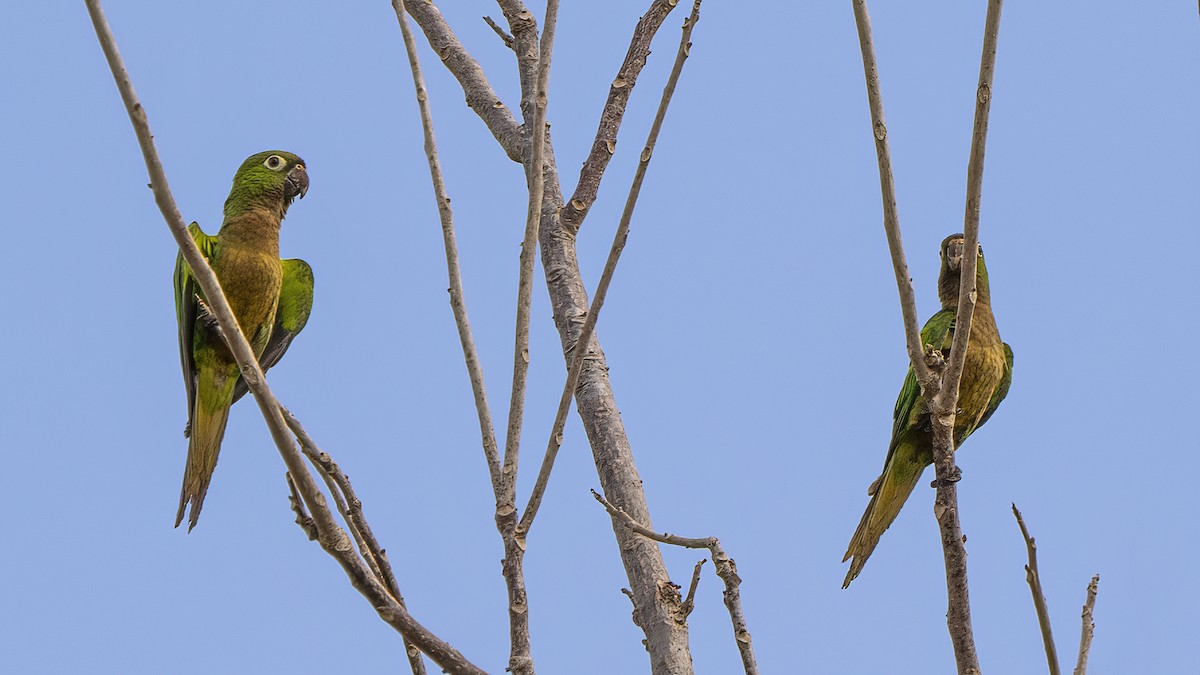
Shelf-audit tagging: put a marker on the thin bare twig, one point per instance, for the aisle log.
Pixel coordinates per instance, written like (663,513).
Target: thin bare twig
(689,603)
(350,506)
(508,39)
(726,569)
(610,266)
(304,520)
(535,176)
(576,208)
(1039,598)
(1089,627)
(887,186)
(331,537)
(457,300)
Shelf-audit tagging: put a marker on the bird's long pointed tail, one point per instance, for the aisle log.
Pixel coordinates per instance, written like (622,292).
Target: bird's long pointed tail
(214,395)
(888,495)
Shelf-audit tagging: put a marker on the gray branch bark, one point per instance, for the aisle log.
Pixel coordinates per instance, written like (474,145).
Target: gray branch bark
(659,614)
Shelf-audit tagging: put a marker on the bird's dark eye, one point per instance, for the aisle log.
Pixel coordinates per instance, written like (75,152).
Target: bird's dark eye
(273,162)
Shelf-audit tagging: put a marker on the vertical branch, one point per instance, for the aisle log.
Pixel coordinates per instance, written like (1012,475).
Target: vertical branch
(887,186)
(944,405)
(1089,628)
(1034,578)
(535,177)
(610,266)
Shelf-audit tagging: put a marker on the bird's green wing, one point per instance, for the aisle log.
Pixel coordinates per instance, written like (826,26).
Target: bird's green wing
(938,333)
(1001,389)
(186,309)
(295,304)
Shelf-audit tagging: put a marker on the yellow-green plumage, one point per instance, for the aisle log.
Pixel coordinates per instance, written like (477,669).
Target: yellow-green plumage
(245,258)
(987,373)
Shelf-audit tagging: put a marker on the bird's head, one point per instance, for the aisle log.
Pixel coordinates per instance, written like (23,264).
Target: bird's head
(272,179)
(951,273)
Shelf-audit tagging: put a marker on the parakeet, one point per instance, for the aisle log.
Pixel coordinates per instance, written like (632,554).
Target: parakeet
(271,299)
(986,376)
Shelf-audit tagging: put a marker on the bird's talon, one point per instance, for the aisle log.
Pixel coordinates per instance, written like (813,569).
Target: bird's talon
(954,477)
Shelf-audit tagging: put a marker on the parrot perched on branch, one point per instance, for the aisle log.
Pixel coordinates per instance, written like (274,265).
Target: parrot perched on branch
(986,376)
(271,299)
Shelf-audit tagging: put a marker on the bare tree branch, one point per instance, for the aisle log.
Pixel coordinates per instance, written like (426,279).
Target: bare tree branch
(331,537)
(610,266)
(535,176)
(1089,627)
(726,569)
(942,392)
(446,215)
(887,186)
(1039,598)
(944,403)
(657,616)
(350,506)
(520,660)
(480,96)
(576,209)
(504,36)
(689,603)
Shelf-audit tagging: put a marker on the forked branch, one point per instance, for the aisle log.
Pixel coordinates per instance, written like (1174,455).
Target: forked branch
(726,569)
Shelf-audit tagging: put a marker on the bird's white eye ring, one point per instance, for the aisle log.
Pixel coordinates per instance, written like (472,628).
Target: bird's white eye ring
(274,162)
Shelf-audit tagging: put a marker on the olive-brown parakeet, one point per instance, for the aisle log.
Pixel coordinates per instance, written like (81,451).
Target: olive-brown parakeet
(271,299)
(987,373)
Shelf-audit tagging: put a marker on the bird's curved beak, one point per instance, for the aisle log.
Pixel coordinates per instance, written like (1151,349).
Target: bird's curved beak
(954,251)
(296,183)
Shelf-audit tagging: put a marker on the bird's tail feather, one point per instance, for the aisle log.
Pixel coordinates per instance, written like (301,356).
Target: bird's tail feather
(213,397)
(889,493)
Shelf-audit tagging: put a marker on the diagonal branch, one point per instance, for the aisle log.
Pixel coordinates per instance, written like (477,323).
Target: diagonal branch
(331,537)
(576,208)
(725,566)
(457,299)
(610,266)
(887,186)
(481,97)
(1039,598)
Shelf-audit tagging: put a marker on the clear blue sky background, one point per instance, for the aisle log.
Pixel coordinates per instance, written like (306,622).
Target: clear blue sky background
(753,335)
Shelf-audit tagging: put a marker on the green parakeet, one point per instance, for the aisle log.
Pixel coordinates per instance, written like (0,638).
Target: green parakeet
(271,299)
(986,376)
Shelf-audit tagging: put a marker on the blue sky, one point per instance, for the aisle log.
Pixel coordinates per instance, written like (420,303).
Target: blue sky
(753,335)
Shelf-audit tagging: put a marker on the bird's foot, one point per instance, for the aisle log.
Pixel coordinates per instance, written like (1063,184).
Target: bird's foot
(934,358)
(206,316)
(954,477)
